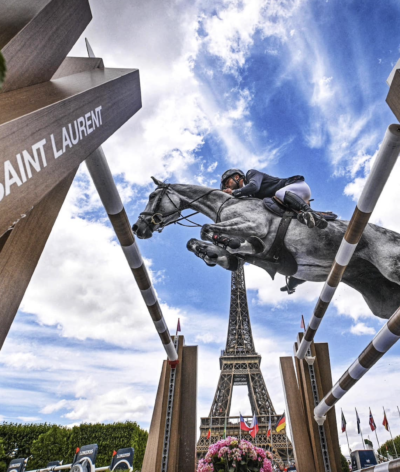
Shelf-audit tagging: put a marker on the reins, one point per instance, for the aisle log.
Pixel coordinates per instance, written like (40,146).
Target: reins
(158,218)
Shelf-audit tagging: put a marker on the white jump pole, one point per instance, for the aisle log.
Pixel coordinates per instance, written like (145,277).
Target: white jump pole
(384,163)
(109,195)
(382,342)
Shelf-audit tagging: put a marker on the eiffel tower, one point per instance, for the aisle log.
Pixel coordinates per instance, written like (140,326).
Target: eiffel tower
(240,365)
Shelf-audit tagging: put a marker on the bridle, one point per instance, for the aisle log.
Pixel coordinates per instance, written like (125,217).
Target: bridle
(158,218)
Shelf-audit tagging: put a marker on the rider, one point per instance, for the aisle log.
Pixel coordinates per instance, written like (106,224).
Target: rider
(292,191)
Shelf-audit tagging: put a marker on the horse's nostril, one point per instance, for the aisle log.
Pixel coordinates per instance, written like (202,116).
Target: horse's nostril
(135,228)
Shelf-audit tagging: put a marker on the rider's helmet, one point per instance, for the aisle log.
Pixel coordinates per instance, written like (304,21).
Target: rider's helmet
(228,173)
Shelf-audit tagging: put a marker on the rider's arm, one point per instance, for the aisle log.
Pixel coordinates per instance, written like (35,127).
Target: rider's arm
(254,179)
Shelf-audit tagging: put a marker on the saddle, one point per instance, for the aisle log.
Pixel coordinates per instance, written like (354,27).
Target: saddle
(279,258)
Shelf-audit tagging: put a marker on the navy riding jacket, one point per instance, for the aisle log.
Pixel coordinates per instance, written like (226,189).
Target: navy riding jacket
(260,185)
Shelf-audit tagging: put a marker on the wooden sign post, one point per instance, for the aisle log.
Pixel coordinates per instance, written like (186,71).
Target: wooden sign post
(54,112)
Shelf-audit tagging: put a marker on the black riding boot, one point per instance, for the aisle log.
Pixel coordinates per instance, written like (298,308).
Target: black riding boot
(291,284)
(305,215)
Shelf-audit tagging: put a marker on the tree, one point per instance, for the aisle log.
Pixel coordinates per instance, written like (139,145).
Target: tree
(2,69)
(51,446)
(387,447)
(344,464)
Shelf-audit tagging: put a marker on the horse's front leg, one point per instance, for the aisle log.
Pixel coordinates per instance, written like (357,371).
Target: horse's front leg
(233,235)
(212,255)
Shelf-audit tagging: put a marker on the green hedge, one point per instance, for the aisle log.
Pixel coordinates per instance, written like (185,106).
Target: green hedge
(51,442)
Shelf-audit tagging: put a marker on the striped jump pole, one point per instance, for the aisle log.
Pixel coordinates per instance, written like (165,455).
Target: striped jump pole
(382,342)
(105,185)
(391,466)
(385,161)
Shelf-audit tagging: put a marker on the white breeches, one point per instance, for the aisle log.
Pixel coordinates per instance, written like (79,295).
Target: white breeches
(299,188)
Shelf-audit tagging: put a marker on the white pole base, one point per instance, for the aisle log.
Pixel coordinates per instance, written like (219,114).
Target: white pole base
(310,360)
(320,420)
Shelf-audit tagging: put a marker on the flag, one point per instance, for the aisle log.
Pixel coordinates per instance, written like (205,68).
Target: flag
(302,325)
(343,423)
(269,427)
(254,427)
(178,328)
(371,421)
(385,421)
(243,425)
(358,423)
(281,423)
(209,434)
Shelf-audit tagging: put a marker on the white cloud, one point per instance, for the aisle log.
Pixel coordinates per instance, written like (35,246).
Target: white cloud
(230,32)
(29,419)
(360,329)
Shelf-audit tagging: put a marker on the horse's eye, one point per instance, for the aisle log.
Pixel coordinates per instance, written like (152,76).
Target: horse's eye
(152,196)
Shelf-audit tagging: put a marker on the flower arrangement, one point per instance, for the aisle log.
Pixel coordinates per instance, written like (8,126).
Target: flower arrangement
(232,455)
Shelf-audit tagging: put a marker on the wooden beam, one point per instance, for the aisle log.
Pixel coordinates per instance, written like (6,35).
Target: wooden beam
(298,423)
(156,433)
(325,375)
(75,65)
(188,414)
(62,122)
(36,35)
(22,252)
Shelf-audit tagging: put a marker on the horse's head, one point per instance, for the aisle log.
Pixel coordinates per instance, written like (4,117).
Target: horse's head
(163,208)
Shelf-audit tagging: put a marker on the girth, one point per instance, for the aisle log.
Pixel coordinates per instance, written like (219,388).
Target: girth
(279,256)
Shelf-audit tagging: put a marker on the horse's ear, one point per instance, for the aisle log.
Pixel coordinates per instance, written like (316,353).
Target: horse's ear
(156,181)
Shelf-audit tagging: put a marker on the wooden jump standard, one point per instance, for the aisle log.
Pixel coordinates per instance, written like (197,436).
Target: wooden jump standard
(382,342)
(105,185)
(376,181)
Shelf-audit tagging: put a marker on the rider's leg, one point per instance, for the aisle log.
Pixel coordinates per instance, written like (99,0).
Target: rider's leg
(291,284)
(296,196)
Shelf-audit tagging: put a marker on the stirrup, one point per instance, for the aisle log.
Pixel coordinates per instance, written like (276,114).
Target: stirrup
(320,222)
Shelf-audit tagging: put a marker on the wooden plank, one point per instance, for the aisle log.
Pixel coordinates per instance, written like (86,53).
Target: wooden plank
(188,412)
(36,36)
(75,65)
(325,374)
(156,427)
(393,97)
(22,252)
(301,440)
(42,114)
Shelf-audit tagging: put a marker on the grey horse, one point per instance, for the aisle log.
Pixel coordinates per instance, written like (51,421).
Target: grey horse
(374,270)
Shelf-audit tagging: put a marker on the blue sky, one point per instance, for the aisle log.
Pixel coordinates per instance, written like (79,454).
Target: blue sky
(288,87)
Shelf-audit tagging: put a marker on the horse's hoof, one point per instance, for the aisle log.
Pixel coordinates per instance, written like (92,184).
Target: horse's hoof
(257,244)
(233,263)
(205,232)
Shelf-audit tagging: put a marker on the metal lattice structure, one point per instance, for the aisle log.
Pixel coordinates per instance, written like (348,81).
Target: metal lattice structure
(240,365)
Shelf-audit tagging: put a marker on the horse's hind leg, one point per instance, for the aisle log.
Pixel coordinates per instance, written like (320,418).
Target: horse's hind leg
(221,235)
(213,255)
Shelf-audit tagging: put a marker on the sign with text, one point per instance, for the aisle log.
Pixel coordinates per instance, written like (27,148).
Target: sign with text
(60,125)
